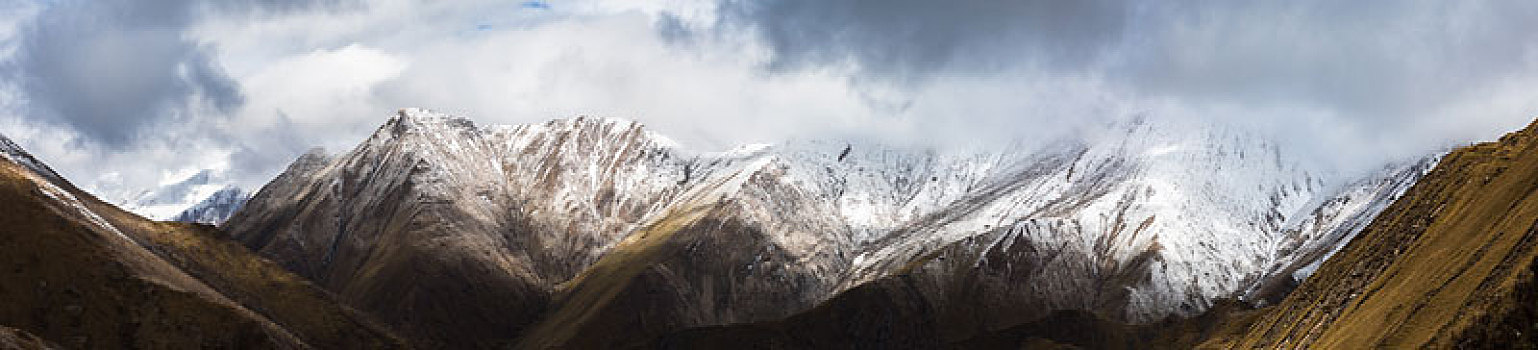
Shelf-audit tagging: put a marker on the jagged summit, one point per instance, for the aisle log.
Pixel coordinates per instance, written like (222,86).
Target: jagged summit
(420,120)
(311,157)
(535,203)
(1144,219)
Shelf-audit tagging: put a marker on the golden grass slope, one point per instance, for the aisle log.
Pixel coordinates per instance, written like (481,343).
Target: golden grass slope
(591,292)
(69,282)
(67,276)
(1448,265)
(11,338)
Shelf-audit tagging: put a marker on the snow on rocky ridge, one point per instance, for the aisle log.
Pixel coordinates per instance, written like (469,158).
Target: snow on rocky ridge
(1143,220)
(205,196)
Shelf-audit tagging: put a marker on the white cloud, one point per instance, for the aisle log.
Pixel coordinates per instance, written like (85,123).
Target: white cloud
(325,89)
(1347,84)
(617,66)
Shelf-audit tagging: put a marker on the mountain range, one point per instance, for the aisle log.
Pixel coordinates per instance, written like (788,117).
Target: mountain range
(589,221)
(597,233)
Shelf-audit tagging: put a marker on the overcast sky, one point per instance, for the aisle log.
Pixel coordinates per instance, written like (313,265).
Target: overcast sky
(124,94)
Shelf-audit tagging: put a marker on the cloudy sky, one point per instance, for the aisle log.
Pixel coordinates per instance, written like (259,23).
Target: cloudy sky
(122,95)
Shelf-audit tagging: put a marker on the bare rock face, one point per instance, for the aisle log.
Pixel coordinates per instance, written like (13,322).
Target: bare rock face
(593,232)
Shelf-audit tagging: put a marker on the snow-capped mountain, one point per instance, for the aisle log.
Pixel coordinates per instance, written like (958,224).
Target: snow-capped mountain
(205,196)
(598,219)
(1448,265)
(1310,238)
(490,220)
(191,193)
(1151,220)
(216,208)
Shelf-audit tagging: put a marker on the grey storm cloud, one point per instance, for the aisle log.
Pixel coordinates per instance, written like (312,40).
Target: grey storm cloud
(1372,60)
(911,39)
(110,69)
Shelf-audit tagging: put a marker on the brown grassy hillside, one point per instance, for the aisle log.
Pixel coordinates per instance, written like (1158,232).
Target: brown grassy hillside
(69,281)
(1450,264)
(77,272)
(11,338)
(287,299)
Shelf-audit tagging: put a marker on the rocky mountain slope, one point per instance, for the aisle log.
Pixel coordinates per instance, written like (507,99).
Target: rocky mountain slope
(462,236)
(1451,264)
(593,232)
(1142,223)
(81,273)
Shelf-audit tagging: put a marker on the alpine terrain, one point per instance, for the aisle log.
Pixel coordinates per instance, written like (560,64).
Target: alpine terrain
(82,274)
(596,233)
(203,197)
(1449,265)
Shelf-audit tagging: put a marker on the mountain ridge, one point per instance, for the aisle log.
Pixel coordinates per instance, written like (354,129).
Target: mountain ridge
(547,201)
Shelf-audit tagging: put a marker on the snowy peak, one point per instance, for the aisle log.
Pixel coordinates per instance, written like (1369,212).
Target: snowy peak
(1194,211)
(201,197)
(165,202)
(586,124)
(216,208)
(421,119)
(1138,220)
(176,196)
(497,216)
(310,161)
